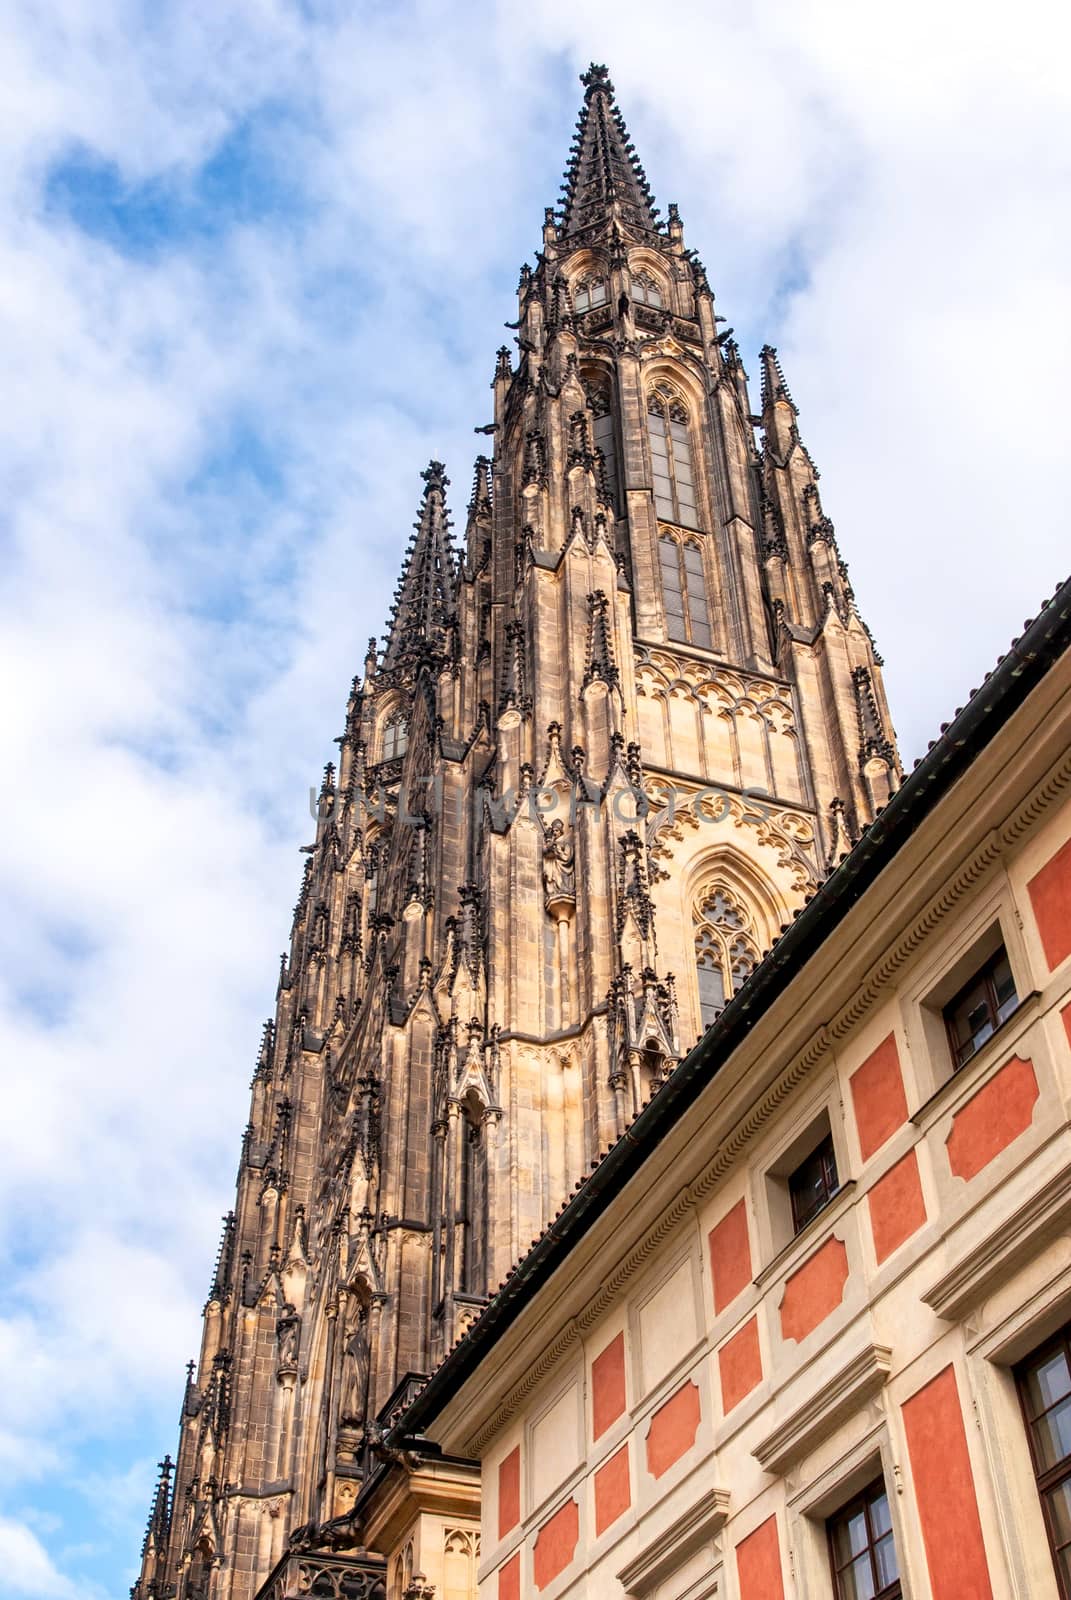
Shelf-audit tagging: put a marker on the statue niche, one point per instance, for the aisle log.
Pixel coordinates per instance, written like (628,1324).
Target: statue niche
(559,868)
(353,1401)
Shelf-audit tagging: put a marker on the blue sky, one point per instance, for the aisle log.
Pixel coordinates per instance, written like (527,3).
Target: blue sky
(255,259)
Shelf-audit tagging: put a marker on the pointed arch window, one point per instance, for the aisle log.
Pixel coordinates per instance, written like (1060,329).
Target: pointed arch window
(726,953)
(472,1211)
(395,736)
(684,592)
(589,293)
(647,290)
(605,440)
(671,458)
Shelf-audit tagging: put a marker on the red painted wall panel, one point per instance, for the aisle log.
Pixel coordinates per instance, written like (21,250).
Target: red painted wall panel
(608,1386)
(556,1544)
(897,1209)
(509,1492)
(673,1429)
(1050,896)
(758,1564)
(1002,1109)
(740,1365)
(878,1097)
(730,1256)
(944,1492)
(815,1291)
(509,1579)
(612,1493)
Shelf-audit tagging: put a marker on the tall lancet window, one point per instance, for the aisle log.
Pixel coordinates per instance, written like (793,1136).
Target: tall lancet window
(472,1212)
(725,950)
(603,431)
(671,458)
(684,592)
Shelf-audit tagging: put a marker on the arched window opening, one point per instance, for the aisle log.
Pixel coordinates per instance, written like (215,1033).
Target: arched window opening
(671,458)
(395,737)
(473,1208)
(684,592)
(589,293)
(726,953)
(605,440)
(647,290)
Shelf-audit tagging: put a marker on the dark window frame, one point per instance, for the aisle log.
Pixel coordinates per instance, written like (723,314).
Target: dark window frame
(825,1153)
(863,1501)
(1046,1479)
(984,976)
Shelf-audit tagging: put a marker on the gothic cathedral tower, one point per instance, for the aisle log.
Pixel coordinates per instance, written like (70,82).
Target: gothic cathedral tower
(607,750)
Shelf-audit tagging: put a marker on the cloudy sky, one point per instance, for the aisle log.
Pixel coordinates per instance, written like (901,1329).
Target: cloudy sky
(255,258)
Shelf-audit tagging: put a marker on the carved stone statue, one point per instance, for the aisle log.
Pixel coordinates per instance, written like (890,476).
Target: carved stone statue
(288,1337)
(355,1369)
(559,873)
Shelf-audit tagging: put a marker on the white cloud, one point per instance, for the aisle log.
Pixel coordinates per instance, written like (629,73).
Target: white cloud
(181,639)
(26,1565)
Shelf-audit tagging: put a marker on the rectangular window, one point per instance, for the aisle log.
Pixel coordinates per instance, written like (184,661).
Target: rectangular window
(813,1184)
(862,1550)
(977,1011)
(1044,1381)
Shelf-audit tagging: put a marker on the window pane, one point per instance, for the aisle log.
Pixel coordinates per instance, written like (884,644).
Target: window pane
(971,1021)
(880,1520)
(598,294)
(675,629)
(654,295)
(857,1581)
(885,1561)
(664,505)
(1053,1434)
(693,558)
(1004,984)
(711,988)
(1048,1382)
(1060,1511)
(850,1535)
(701,635)
(1063,1560)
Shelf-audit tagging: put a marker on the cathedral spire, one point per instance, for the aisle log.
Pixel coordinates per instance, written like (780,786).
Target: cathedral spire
(424,602)
(604,179)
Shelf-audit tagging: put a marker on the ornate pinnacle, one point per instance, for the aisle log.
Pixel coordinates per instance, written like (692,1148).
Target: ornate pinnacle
(604,180)
(774,387)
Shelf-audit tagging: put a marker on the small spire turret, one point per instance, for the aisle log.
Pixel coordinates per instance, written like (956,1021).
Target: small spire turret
(425,600)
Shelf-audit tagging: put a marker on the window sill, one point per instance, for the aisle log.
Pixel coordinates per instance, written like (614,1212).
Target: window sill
(965,1077)
(801,1243)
